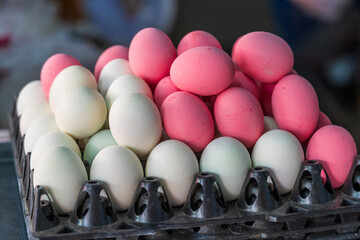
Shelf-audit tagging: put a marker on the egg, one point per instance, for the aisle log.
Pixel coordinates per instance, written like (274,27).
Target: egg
(70,77)
(135,123)
(111,53)
(238,114)
(51,68)
(266,91)
(81,112)
(323,121)
(52,139)
(163,89)
(244,81)
(176,165)
(82,143)
(126,84)
(151,54)
(295,106)
(264,56)
(121,170)
(229,160)
(197,39)
(280,151)
(38,128)
(335,148)
(233,53)
(96,143)
(203,71)
(186,118)
(62,173)
(30,93)
(269,124)
(112,70)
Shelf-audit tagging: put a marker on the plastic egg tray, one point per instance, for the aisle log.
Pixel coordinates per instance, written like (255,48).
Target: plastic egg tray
(313,210)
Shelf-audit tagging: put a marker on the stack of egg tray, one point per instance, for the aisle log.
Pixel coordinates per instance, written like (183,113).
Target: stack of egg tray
(313,210)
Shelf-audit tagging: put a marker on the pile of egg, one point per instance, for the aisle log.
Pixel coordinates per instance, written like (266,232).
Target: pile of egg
(180,111)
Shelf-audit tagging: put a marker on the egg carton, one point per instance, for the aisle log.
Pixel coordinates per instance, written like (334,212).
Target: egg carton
(313,210)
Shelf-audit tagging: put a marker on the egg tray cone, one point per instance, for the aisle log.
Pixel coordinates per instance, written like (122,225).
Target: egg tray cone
(311,211)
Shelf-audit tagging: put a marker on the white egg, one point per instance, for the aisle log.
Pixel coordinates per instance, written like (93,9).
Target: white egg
(121,170)
(62,173)
(81,112)
(33,110)
(96,143)
(229,160)
(176,165)
(135,123)
(112,70)
(269,124)
(39,127)
(70,77)
(126,84)
(52,139)
(31,92)
(280,151)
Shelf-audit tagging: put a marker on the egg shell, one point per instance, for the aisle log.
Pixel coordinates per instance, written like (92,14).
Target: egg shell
(135,123)
(163,89)
(203,71)
(197,39)
(295,106)
(38,128)
(127,84)
(238,114)
(82,143)
(151,54)
(229,160)
(244,81)
(186,118)
(335,148)
(62,173)
(68,78)
(121,170)
(52,139)
(266,90)
(30,93)
(280,151)
(269,124)
(264,56)
(322,121)
(34,110)
(111,71)
(176,165)
(52,67)
(81,112)
(111,53)
(96,143)
(233,51)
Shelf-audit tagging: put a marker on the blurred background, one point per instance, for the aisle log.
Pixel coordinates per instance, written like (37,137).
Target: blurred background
(324,36)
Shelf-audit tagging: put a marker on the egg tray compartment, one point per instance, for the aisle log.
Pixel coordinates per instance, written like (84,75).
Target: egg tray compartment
(313,210)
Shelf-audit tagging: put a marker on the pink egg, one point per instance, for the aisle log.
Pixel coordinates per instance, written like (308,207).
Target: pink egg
(52,67)
(186,118)
(203,71)
(151,54)
(322,121)
(238,114)
(233,51)
(295,106)
(163,89)
(335,148)
(264,56)
(197,39)
(116,51)
(266,90)
(244,81)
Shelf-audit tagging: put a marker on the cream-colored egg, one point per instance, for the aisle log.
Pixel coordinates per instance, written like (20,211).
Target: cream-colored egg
(176,165)
(229,160)
(70,77)
(112,70)
(81,112)
(135,123)
(31,92)
(62,173)
(52,139)
(96,143)
(34,110)
(121,170)
(269,124)
(280,151)
(38,128)
(126,84)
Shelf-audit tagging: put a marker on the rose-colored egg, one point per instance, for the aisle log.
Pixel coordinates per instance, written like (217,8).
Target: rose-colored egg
(244,81)
(186,118)
(197,39)
(322,121)
(163,89)
(233,52)
(266,90)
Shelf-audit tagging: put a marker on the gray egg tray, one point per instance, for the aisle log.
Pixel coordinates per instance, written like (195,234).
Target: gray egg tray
(313,210)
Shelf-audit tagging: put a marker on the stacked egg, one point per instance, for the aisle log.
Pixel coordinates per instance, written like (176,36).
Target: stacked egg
(177,112)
